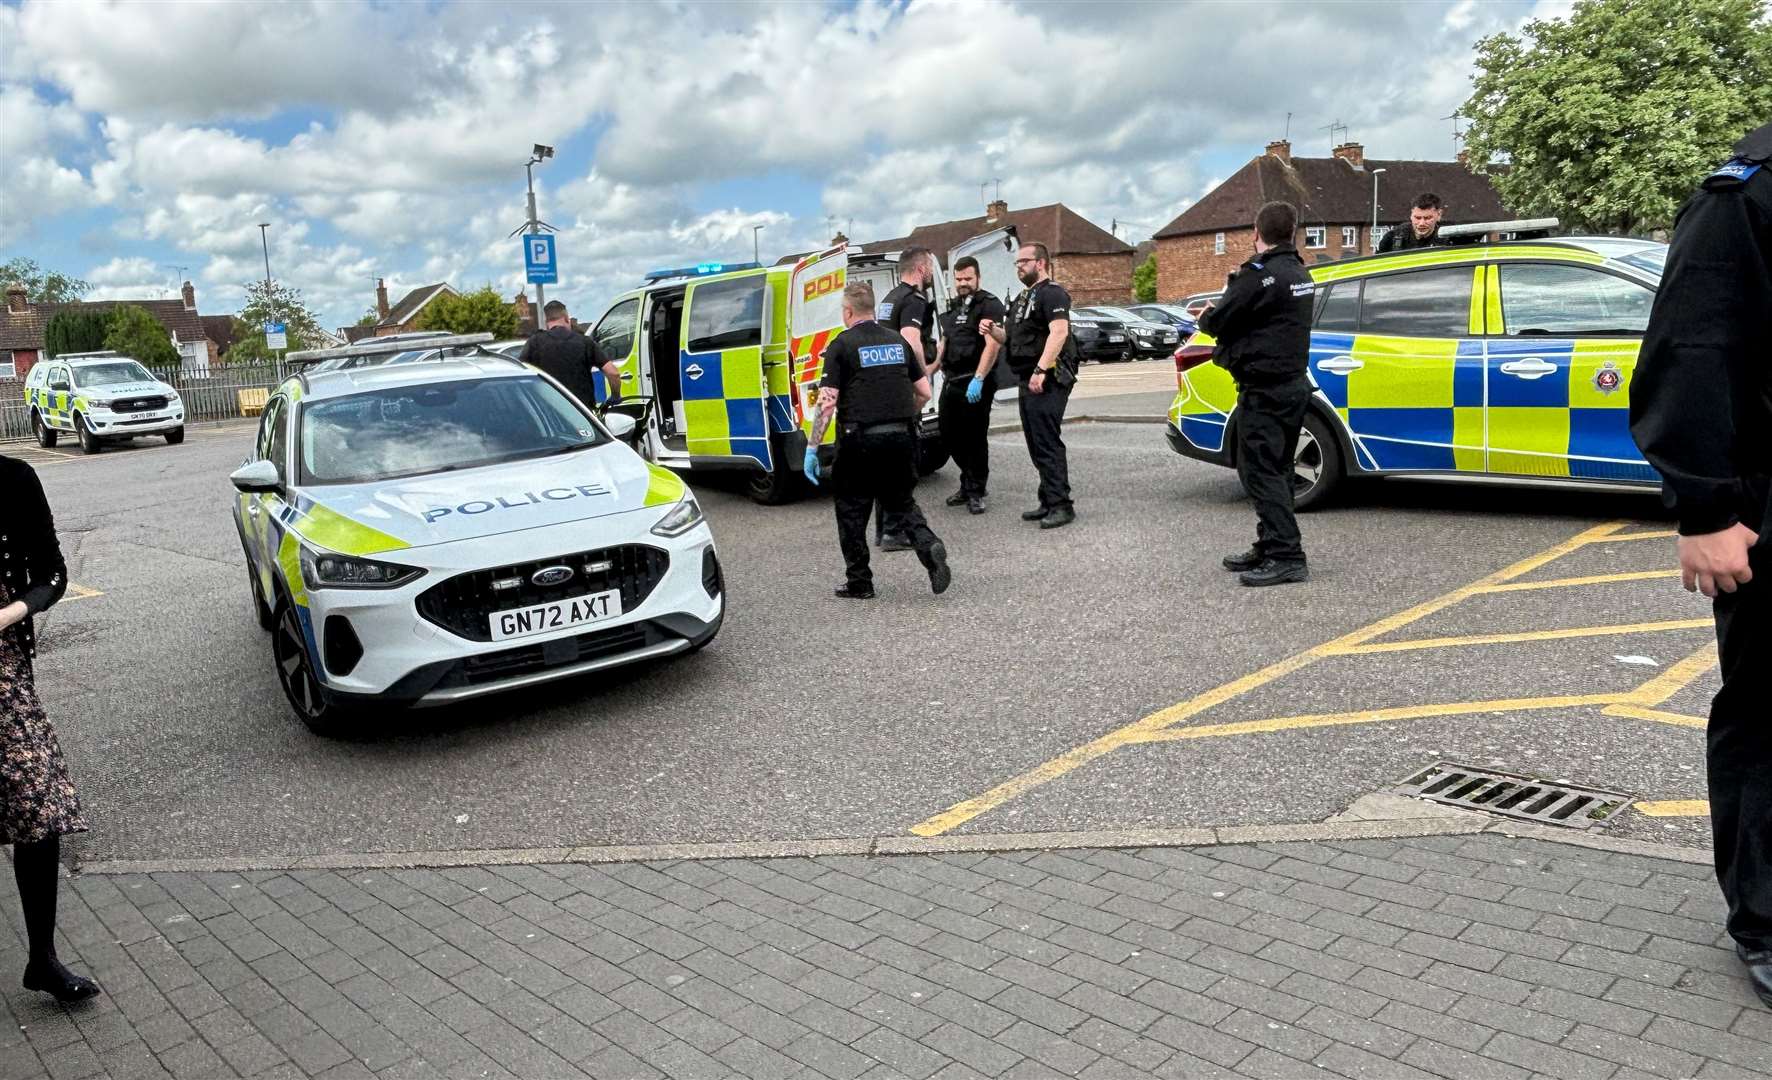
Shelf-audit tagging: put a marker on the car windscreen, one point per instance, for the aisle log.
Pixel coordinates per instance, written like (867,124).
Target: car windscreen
(1652,260)
(120,373)
(1117,313)
(438,427)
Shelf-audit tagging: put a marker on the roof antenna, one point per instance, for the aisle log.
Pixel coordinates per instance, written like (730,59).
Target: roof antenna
(1457,132)
(1332,128)
(1288,135)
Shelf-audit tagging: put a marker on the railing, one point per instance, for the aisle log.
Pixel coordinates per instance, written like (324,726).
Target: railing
(212,393)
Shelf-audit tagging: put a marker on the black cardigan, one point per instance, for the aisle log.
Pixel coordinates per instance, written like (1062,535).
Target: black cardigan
(30,556)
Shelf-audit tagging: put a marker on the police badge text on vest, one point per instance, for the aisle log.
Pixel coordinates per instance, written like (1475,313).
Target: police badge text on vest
(881,355)
(528,498)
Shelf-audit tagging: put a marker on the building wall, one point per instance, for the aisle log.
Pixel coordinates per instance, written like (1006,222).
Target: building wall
(1095,279)
(1189,264)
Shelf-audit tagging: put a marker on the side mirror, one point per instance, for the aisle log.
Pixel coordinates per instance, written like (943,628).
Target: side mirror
(621,425)
(257,477)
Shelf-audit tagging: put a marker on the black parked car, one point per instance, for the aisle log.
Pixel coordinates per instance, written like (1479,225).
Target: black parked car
(1100,339)
(1147,338)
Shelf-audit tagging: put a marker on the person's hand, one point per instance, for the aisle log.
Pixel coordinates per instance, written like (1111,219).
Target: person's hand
(810,465)
(13,614)
(1717,562)
(1037,383)
(985,326)
(974,390)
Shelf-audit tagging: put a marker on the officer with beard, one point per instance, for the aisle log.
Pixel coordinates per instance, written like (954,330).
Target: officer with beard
(966,357)
(1037,334)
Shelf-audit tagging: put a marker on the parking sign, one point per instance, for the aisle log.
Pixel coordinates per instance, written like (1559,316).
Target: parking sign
(275,337)
(538,259)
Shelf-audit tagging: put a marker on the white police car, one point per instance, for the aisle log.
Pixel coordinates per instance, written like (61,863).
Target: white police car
(100,397)
(429,533)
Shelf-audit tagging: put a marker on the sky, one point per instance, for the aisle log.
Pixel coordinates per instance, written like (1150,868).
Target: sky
(144,142)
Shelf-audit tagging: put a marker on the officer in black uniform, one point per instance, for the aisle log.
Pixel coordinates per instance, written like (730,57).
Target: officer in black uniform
(569,356)
(1701,410)
(967,358)
(1263,328)
(1423,229)
(873,387)
(907,310)
(1044,360)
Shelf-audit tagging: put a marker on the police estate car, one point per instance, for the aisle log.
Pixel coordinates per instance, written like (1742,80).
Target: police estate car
(1501,360)
(429,533)
(100,397)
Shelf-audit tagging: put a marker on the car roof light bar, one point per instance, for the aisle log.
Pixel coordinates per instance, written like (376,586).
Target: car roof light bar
(388,347)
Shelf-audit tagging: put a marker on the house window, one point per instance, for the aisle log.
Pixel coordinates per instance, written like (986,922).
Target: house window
(1350,237)
(8,367)
(1316,236)
(1218,244)
(1378,232)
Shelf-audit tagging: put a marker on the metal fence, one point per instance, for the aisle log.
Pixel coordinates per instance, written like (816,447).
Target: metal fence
(212,393)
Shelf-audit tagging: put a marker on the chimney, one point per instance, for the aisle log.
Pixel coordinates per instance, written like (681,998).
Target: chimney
(1352,153)
(839,240)
(1464,157)
(997,208)
(190,295)
(15,299)
(381,299)
(1280,148)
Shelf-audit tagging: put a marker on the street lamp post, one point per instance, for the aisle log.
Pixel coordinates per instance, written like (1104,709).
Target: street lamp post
(536,156)
(270,304)
(755,257)
(1374,233)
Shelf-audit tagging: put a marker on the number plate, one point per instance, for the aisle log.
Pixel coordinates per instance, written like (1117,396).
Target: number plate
(1116,337)
(557,615)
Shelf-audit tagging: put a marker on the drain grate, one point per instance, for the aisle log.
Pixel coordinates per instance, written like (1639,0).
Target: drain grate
(1512,795)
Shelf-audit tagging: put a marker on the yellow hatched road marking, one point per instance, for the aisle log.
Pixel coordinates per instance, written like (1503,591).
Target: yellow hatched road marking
(1569,582)
(1372,716)
(1661,534)
(1637,712)
(1677,677)
(79,592)
(1524,635)
(1674,808)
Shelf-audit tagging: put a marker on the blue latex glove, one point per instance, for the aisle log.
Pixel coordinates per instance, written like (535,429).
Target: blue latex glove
(811,464)
(974,390)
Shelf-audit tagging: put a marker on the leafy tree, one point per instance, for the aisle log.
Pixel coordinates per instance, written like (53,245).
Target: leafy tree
(133,331)
(282,304)
(370,317)
(1608,119)
(70,331)
(482,310)
(1144,280)
(42,286)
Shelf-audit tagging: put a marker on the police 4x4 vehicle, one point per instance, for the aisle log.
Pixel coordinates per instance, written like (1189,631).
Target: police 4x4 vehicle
(732,356)
(1507,361)
(424,533)
(100,397)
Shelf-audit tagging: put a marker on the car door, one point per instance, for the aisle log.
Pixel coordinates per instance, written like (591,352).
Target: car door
(1396,356)
(258,532)
(60,395)
(617,337)
(1562,346)
(721,365)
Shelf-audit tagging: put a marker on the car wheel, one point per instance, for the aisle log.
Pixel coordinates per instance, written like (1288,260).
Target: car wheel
(45,434)
(773,488)
(1316,465)
(932,454)
(295,671)
(89,443)
(175,436)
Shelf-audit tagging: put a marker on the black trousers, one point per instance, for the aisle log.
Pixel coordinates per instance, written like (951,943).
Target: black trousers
(877,464)
(1268,421)
(1042,425)
(1739,757)
(964,430)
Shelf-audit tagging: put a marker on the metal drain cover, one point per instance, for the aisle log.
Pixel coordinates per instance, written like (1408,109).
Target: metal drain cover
(1513,795)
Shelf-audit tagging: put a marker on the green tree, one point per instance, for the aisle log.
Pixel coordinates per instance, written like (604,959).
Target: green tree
(370,317)
(70,331)
(133,331)
(482,310)
(1608,119)
(41,286)
(281,304)
(1144,280)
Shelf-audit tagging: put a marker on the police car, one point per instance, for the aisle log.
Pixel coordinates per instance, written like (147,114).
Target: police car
(1508,360)
(100,397)
(433,532)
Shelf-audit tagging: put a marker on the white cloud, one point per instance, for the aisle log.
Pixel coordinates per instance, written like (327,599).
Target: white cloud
(131,279)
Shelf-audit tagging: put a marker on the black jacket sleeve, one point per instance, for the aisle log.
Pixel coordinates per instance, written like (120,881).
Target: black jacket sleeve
(1230,317)
(46,573)
(1390,241)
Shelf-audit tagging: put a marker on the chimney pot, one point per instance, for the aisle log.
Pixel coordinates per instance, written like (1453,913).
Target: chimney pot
(190,295)
(381,299)
(1280,148)
(839,240)
(1353,153)
(1464,157)
(997,208)
(16,301)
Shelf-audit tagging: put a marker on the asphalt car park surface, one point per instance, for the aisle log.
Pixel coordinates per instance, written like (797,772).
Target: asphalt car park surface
(1104,676)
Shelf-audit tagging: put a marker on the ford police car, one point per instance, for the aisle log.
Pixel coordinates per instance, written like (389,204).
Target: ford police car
(100,397)
(1507,361)
(429,533)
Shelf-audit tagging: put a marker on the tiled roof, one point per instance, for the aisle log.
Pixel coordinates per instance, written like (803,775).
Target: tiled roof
(1061,229)
(24,330)
(219,329)
(412,303)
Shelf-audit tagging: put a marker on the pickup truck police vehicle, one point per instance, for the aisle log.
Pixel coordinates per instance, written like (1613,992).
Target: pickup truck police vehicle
(426,533)
(100,397)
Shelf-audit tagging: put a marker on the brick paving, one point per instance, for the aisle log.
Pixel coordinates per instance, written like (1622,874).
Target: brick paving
(1454,956)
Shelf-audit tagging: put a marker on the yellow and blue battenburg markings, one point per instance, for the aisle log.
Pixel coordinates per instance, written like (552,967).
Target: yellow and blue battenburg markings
(1414,403)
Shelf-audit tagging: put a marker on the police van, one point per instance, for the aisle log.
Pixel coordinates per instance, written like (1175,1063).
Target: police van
(730,356)
(100,397)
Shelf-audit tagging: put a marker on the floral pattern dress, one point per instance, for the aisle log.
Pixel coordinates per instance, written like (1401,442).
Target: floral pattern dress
(37,799)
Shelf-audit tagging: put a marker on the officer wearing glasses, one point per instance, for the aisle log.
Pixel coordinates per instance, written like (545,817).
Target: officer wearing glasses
(1044,360)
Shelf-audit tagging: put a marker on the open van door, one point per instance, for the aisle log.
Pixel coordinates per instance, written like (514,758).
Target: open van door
(720,363)
(995,252)
(815,316)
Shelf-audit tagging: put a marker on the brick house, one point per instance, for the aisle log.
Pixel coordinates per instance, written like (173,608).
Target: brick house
(22,326)
(1335,200)
(398,318)
(1092,263)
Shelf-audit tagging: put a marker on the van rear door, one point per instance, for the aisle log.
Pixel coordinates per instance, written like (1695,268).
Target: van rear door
(815,316)
(995,252)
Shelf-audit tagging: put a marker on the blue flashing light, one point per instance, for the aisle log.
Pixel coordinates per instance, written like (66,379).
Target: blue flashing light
(701,270)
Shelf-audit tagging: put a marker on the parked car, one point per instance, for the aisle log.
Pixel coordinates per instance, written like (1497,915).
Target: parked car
(99,398)
(1169,315)
(1148,338)
(1199,302)
(1100,339)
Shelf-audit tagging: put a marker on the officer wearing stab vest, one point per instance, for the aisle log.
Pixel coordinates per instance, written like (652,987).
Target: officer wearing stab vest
(967,359)
(873,388)
(1701,411)
(907,310)
(1044,362)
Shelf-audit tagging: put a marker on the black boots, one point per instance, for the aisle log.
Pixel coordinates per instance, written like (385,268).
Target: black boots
(1271,572)
(52,977)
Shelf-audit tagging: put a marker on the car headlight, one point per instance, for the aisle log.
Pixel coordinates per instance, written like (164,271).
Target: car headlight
(680,518)
(98,406)
(327,570)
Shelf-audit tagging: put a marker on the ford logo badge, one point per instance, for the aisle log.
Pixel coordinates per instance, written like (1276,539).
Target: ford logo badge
(552,575)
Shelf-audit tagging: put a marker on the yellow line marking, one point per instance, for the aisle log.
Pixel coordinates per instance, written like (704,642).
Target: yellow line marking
(1372,716)
(1675,808)
(1524,635)
(960,813)
(1596,579)
(1637,712)
(79,592)
(1676,678)
(1662,534)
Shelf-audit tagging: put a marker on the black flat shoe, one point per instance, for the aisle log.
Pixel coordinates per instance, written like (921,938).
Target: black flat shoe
(939,574)
(1034,515)
(1244,562)
(896,542)
(55,979)
(958,498)
(1059,518)
(1759,971)
(1275,573)
(849,592)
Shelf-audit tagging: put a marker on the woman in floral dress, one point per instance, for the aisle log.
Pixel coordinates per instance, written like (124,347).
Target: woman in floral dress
(37,801)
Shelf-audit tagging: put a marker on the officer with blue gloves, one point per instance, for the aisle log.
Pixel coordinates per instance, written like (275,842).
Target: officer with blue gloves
(966,358)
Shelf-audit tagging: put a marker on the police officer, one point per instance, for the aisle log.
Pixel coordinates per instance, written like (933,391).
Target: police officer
(1701,410)
(873,387)
(966,358)
(569,356)
(1423,229)
(906,309)
(1263,328)
(1043,358)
